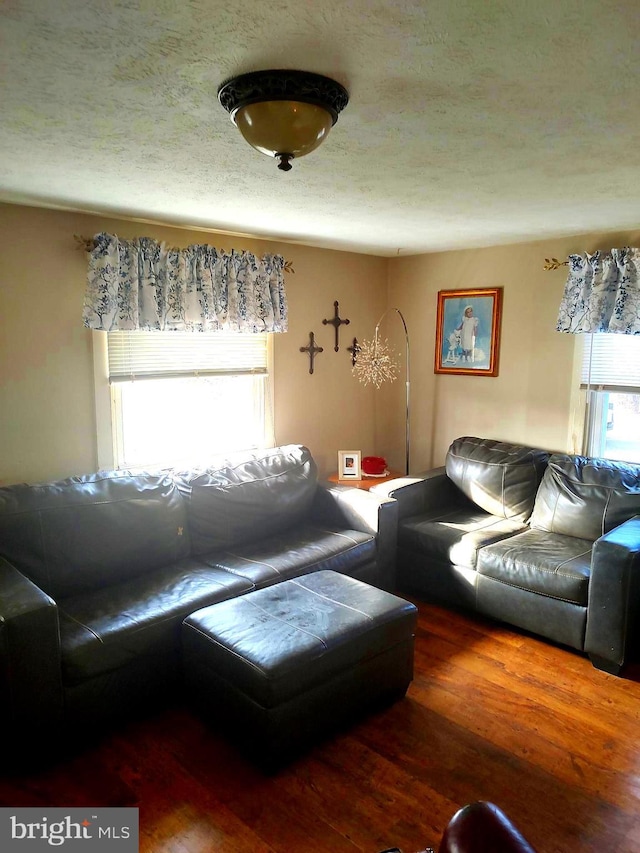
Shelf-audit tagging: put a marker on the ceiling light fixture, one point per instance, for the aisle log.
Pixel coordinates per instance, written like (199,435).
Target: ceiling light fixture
(284,114)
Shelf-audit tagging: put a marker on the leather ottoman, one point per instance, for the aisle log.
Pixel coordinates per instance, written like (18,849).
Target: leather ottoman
(281,666)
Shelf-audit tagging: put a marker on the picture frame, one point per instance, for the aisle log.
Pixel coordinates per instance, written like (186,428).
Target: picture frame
(468,331)
(349,465)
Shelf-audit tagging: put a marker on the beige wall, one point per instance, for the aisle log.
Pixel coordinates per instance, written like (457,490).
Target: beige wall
(47,409)
(530,401)
(330,410)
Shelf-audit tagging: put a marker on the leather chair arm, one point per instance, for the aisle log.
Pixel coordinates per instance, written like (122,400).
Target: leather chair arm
(416,495)
(358,509)
(30,673)
(482,828)
(614,596)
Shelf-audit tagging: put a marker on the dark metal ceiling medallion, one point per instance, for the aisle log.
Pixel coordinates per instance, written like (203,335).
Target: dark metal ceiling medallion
(283,85)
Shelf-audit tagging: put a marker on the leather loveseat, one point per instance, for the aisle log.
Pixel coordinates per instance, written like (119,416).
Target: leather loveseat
(98,572)
(546,542)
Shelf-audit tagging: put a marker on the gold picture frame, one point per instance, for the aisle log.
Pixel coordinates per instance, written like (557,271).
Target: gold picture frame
(468,331)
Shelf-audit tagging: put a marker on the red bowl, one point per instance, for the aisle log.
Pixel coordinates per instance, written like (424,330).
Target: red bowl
(374,465)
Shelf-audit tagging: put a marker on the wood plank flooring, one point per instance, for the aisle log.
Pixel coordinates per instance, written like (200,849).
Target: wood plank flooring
(492,714)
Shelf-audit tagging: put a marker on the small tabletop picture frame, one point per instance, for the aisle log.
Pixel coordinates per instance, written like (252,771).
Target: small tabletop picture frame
(349,465)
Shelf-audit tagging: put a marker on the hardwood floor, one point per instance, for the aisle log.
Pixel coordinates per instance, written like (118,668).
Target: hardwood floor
(492,714)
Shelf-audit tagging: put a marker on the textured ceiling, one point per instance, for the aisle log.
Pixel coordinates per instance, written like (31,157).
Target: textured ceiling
(470,122)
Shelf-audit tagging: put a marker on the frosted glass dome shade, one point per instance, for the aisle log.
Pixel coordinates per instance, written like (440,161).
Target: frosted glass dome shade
(284,127)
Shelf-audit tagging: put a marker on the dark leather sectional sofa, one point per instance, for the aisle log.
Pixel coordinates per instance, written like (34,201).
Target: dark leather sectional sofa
(98,572)
(547,542)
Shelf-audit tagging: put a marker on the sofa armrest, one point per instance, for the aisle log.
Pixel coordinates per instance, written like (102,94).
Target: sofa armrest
(482,826)
(30,673)
(358,509)
(614,596)
(427,491)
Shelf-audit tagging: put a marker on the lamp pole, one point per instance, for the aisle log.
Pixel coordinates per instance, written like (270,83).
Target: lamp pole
(407,430)
(408,395)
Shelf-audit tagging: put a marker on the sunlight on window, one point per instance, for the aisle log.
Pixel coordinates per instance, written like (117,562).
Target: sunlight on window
(622,427)
(610,374)
(188,421)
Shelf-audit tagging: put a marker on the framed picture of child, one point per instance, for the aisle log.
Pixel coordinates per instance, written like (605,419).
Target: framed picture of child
(468,331)
(349,465)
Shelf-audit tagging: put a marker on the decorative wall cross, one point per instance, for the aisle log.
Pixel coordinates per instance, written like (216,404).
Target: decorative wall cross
(353,349)
(336,322)
(312,349)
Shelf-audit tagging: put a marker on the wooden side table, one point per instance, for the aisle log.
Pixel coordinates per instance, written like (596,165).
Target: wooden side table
(366,482)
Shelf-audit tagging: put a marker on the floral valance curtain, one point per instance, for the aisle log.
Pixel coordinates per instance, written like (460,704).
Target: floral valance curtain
(142,284)
(602,293)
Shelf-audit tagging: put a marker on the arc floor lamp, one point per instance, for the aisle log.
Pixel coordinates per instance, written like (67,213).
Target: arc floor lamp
(376,364)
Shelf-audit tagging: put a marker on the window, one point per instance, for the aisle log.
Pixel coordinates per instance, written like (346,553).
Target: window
(180,399)
(611,378)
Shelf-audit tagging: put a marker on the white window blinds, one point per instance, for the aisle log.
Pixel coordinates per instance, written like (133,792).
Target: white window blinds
(154,355)
(611,362)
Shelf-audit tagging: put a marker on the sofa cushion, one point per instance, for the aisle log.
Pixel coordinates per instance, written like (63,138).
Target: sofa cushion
(248,498)
(545,563)
(586,497)
(294,552)
(454,536)
(107,629)
(92,531)
(500,478)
